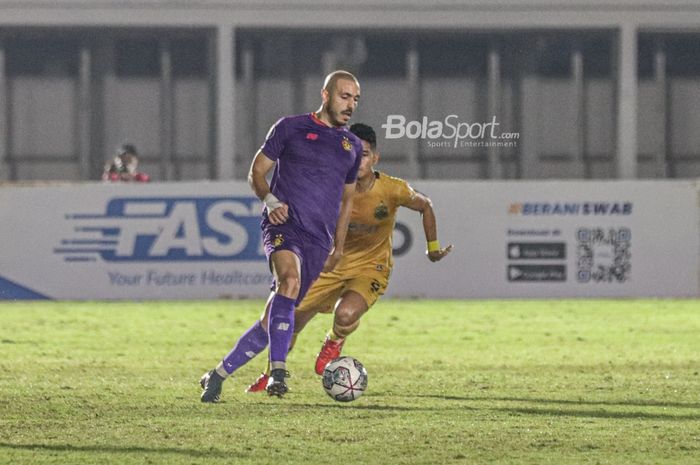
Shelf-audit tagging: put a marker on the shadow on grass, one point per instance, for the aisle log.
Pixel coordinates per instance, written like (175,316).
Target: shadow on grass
(203,453)
(518,410)
(381,408)
(580,413)
(623,403)
(598,414)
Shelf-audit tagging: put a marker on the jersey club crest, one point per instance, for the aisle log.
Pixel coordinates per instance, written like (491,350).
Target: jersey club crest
(381,212)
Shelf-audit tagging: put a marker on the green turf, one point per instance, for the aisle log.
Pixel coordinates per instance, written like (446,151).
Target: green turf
(536,382)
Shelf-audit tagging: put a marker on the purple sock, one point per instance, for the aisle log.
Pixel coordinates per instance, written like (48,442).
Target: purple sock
(280,327)
(250,344)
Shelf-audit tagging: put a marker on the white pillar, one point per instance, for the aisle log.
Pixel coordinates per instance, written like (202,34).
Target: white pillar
(661,154)
(247,105)
(4,128)
(225,109)
(168,170)
(627,103)
(578,82)
(495,167)
(414,92)
(329,61)
(85,115)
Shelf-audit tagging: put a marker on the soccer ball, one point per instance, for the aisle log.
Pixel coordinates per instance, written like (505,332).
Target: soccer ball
(344,379)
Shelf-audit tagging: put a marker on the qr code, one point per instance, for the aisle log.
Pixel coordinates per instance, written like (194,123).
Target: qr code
(603,255)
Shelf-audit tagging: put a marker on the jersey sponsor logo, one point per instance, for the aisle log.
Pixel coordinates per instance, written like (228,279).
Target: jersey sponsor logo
(570,208)
(166,229)
(359,228)
(311,136)
(346,144)
(382,211)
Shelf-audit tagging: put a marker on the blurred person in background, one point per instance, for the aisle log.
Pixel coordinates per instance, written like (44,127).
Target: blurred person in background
(122,168)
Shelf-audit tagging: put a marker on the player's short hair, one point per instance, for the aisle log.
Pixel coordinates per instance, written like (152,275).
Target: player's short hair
(127,148)
(126,154)
(335,76)
(366,133)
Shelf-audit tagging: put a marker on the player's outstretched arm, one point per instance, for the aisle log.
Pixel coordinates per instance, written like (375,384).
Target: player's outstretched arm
(277,211)
(341,227)
(424,205)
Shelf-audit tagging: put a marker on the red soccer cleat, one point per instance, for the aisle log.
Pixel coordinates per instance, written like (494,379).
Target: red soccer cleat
(329,351)
(259,385)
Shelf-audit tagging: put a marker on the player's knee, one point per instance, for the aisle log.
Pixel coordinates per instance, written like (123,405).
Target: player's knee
(289,285)
(343,328)
(344,316)
(347,315)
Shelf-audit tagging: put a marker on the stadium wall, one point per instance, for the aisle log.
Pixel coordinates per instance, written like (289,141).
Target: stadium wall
(584,123)
(520,239)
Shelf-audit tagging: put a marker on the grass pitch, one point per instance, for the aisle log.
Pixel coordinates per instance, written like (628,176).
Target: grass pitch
(450,382)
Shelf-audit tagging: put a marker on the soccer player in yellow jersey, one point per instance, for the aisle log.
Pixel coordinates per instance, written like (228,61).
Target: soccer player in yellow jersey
(362,275)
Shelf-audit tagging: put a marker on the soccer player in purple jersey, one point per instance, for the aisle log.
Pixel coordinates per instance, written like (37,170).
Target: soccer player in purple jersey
(305,220)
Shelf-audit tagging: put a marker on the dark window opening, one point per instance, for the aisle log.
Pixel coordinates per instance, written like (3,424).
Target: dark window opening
(647,47)
(597,57)
(454,57)
(683,56)
(385,57)
(137,58)
(189,57)
(42,57)
(552,57)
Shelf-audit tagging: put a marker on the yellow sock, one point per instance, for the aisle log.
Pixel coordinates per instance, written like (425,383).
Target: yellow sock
(333,336)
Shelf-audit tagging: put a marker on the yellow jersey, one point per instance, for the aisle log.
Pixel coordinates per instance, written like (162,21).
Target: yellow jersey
(369,238)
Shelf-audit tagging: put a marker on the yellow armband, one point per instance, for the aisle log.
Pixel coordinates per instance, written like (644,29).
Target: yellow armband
(433,246)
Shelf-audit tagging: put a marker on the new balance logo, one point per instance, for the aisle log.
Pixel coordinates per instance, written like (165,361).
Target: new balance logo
(283,326)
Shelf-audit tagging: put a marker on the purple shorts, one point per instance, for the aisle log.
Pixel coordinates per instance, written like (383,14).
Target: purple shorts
(288,236)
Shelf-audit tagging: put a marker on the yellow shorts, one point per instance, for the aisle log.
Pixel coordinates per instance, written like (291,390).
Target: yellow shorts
(369,282)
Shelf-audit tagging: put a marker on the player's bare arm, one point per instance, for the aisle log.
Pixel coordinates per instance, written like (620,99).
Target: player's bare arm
(277,211)
(424,205)
(341,229)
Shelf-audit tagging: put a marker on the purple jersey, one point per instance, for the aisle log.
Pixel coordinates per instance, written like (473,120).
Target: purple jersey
(314,162)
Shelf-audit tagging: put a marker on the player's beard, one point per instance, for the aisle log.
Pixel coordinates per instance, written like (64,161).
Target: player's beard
(335,116)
